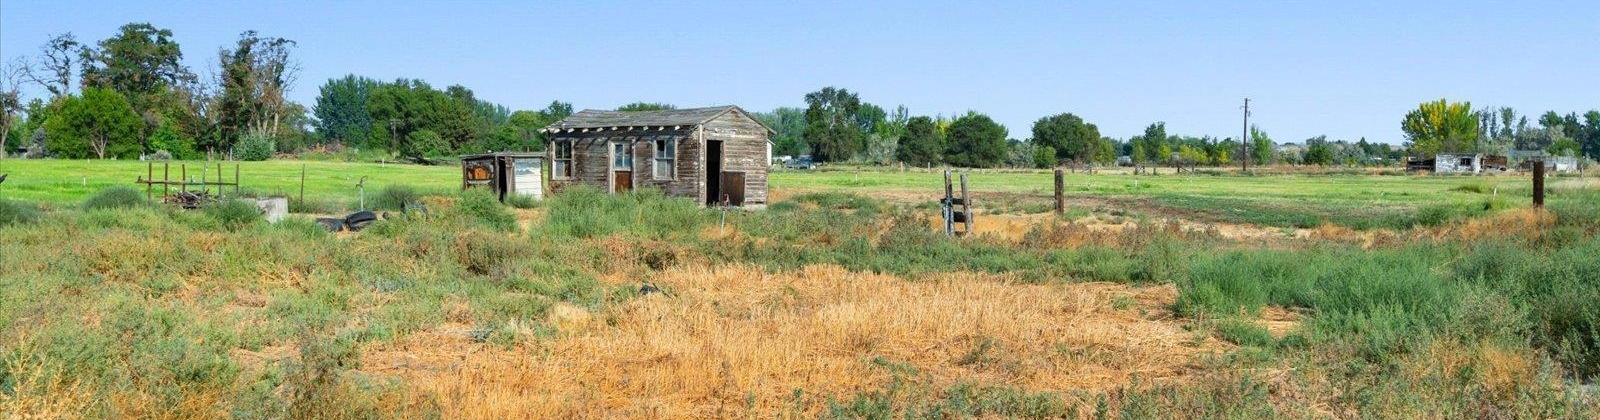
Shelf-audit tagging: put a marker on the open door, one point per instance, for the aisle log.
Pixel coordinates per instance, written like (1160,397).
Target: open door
(621,167)
(713,172)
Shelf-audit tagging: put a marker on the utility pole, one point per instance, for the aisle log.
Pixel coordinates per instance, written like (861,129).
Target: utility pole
(1244,140)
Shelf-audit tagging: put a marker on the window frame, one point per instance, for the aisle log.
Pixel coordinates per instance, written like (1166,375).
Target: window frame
(557,162)
(621,152)
(668,160)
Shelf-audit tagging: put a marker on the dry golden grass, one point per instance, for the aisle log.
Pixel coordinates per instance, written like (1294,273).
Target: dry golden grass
(732,339)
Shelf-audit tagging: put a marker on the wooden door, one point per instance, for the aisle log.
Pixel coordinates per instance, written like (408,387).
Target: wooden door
(733,188)
(622,181)
(621,167)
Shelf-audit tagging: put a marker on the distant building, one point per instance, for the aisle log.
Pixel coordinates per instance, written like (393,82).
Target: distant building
(1468,163)
(713,155)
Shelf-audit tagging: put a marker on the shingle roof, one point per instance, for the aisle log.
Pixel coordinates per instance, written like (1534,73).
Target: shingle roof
(592,118)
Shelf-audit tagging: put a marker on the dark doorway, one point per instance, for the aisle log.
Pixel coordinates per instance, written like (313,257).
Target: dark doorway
(713,172)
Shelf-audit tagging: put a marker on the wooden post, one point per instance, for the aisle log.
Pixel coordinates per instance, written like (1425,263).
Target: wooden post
(235,179)
(166,179)
(183,171)
(149,175)
(1538,183)
(966,206)
(1061,204)
(948,206)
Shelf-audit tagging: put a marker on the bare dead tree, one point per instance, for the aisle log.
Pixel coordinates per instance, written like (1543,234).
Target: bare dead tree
(56,66)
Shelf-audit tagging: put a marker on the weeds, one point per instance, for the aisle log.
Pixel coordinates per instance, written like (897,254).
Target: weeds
(17,212)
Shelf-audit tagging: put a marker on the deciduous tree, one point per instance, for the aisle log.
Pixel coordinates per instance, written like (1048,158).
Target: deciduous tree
(1068,136)
(976,141)
(99,123)
(1440,126)
(833,126)
(922,143)
(341,109)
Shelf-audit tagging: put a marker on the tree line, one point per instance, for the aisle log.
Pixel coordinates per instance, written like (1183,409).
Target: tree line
(130,95)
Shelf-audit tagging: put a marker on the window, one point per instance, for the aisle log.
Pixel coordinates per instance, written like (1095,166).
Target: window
(561,164)
(621,157)
(666,159)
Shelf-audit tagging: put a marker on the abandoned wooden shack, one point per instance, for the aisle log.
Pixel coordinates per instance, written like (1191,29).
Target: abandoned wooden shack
(504,173)
(717,155)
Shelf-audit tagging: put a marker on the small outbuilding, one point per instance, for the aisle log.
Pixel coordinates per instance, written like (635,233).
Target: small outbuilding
(504,173)
(716,155)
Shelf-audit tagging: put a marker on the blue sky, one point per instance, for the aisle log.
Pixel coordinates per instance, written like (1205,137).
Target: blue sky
(1347,69)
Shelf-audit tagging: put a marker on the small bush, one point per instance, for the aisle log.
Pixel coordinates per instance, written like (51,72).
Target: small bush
(234,215)
(395,197)
(17,212)
(522,201)
(119,197)
(481,206)
(253,147)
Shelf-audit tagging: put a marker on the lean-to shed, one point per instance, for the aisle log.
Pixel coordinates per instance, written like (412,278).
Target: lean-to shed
(716,155)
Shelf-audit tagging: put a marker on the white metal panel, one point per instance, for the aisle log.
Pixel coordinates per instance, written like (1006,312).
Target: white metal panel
(528,178)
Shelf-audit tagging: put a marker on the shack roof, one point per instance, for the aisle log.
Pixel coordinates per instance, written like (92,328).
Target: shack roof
(615,120)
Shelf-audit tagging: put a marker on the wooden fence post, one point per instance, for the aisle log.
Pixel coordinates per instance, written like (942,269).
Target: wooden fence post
(1061,204)
(1538,183)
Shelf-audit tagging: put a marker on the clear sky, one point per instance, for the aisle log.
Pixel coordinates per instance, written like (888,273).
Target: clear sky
(1347,69)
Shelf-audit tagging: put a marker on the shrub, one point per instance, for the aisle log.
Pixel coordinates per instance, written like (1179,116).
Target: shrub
(118,197)
(254,147)
(17,212)
(481,206)
(395,197)
(233,215)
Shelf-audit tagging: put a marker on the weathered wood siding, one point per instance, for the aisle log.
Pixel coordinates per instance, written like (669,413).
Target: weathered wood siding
(744,149)
(744,143)
(592,160)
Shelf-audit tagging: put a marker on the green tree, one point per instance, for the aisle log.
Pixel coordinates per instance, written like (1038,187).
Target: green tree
(1318,152)
(789,125)
(1044,157)
(1261,146)
(922,144)
(406,106)
(1069,136)
(167,138)
(1105,151)
(976,141)
(1151,143)
(253,79)
(646,106)
(833,128)
(139,62)
(100,123)
(1441,126)
(1589,145)
(341,109)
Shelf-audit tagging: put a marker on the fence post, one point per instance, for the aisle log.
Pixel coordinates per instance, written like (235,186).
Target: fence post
(1061,205)
(1538,183)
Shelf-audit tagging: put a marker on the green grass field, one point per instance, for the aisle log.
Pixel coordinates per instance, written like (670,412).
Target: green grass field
(68,181)
(1358,201)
